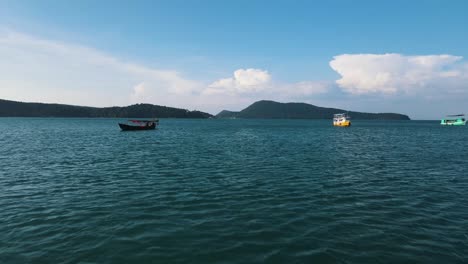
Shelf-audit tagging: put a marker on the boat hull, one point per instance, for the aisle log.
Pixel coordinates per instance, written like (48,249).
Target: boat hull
(456,123)
(126,127)
(346,123)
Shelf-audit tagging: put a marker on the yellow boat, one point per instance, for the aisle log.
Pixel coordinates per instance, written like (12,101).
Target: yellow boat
(341,120)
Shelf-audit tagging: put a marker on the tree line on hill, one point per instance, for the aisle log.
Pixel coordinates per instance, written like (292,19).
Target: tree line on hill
(270,110)
(21,109)
(260,109)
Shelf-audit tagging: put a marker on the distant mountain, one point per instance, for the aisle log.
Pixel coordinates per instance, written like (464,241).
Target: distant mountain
(227,114)
(20,109)
(271,109)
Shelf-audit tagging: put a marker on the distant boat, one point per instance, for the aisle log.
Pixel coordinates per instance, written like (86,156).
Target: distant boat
(341,120)
(454,120)
(139,125)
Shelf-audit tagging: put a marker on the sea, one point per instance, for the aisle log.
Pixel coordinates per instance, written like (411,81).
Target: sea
(232,191)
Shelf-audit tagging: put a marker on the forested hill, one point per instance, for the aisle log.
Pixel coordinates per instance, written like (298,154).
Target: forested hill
(20,109)
(271,109)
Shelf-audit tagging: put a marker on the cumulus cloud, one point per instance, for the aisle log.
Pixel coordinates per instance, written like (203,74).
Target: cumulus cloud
(395,73)
(258,83)
(242,81)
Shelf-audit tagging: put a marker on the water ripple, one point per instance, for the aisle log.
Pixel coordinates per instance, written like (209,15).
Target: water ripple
(232,191)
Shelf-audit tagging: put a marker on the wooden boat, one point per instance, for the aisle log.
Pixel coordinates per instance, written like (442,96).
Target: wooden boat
(135,125)
(454,120)
(341,120)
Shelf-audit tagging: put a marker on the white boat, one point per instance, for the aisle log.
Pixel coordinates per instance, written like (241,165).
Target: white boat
(454,120)
(341,120)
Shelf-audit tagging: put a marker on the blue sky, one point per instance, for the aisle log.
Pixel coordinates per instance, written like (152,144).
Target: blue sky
(399,56)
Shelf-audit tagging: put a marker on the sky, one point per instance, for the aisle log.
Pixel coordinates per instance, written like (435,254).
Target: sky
(376,56)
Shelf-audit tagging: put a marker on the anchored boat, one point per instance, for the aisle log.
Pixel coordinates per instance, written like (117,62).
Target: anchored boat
(454,120)
(139,125)
(341,120)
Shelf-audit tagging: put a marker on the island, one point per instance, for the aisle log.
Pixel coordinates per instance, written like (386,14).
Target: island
(22,109)
(262,109)
(274,110)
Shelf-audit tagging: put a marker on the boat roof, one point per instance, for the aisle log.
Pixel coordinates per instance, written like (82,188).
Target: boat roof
(143,121)
(455,115)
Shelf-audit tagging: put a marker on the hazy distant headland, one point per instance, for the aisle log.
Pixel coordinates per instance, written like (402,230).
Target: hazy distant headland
(20,109)
(271,109)
(260,109)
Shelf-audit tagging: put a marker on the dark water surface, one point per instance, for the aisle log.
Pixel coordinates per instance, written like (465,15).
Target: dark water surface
(232,191)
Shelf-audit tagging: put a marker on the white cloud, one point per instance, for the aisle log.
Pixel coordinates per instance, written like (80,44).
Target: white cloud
(35,69)
(259,84)
(38,69)
(243,81)
(139,93)
(395,73)
(251,77)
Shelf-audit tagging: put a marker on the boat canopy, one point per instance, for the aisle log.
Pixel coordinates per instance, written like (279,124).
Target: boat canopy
(340,115)
(454,117)
(144,121)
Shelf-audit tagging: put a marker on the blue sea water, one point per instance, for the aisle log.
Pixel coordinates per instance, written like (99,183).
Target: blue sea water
(232,191)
